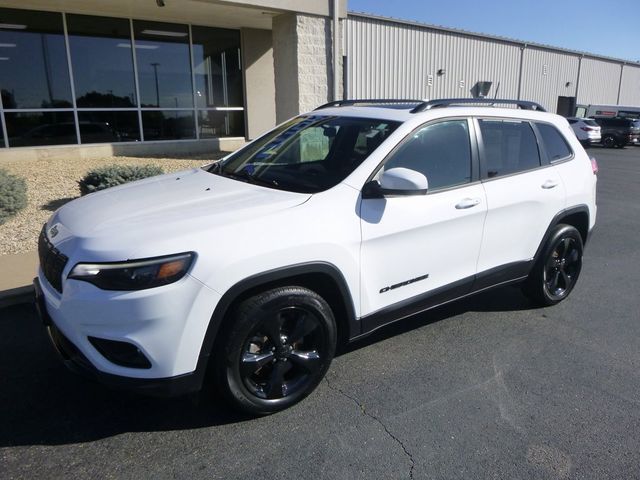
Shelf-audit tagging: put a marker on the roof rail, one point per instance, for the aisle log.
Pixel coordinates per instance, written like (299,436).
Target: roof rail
(445,102)
(370,101)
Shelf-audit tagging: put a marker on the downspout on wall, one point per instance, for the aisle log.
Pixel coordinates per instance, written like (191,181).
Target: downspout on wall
(336,49)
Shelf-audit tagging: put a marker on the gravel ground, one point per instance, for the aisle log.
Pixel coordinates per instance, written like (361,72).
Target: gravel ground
(55,182)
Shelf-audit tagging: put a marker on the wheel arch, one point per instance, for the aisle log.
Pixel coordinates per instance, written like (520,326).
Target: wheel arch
(321,277)
(577,217)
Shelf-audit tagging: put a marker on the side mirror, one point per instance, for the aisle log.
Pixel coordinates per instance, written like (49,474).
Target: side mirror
(397,181)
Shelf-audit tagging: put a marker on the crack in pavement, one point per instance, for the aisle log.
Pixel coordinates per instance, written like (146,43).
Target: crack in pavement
(376,419)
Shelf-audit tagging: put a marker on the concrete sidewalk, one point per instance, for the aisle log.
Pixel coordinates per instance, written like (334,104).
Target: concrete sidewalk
(16,274)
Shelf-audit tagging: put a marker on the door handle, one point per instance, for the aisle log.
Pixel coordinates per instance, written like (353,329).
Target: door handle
(467,203)
(549,184)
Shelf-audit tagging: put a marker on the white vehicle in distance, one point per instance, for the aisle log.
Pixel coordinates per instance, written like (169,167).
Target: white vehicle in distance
(586,129)
(330,226)
(624,111)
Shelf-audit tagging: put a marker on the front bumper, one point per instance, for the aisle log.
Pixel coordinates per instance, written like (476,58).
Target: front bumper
(69,333)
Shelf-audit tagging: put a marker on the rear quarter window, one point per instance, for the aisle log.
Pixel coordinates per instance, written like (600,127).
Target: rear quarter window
(555,145)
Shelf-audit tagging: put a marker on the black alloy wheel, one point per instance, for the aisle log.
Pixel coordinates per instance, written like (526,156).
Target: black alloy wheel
(562,268)
(283,353)
(556,271)
(277,349)
(609,141)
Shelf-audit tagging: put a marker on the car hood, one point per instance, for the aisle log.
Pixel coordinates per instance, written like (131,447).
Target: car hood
(181,205)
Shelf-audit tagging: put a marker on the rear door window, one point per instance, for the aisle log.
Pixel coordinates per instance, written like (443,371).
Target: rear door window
(555,145)
(510,146)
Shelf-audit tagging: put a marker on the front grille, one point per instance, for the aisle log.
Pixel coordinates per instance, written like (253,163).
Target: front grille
(52,261)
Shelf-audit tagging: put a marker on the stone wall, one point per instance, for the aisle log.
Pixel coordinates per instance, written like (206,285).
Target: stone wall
(302,54)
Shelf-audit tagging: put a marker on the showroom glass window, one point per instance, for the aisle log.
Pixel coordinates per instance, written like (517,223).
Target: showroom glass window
(34,75)
(164,76)
(33,60)
(164,68)
(69,78)
(104,78)
(102,61)
(217,67)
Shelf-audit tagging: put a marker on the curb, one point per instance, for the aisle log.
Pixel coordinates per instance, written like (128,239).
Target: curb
(16,296)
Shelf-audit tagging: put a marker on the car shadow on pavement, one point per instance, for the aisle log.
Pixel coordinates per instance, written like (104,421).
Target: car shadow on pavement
(44,404)
(503,299)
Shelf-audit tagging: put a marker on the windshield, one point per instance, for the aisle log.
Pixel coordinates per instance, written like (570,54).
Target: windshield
(308,154)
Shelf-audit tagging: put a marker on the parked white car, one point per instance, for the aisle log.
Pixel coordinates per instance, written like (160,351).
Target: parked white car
(334,224)
(586,129)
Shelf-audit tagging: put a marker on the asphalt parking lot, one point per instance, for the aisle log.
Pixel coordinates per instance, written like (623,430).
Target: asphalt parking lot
(488,387)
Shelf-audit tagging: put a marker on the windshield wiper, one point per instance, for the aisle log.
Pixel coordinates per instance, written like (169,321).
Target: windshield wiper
(245,176)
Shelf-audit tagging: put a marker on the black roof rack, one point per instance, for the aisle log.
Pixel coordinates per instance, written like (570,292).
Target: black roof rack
(369,101)
(422,105)
(445,102)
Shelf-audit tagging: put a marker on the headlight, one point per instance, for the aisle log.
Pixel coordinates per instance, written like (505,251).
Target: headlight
(134,274)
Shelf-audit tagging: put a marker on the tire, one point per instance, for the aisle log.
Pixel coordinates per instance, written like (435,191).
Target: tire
(609,141)
(276,350)
(556,271)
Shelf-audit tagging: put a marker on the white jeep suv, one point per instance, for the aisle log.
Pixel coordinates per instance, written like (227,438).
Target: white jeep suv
(332,225)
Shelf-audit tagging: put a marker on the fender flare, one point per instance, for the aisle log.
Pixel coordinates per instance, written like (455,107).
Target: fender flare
(558,220)
(270,276)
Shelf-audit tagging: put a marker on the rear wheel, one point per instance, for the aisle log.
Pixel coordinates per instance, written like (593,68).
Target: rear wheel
(609,141)
(557,270)
(277,349)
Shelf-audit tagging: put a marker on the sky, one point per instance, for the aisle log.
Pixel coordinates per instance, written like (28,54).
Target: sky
(603,27)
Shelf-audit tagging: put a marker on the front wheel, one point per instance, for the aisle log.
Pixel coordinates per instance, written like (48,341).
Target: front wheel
(276,350)
(556,271)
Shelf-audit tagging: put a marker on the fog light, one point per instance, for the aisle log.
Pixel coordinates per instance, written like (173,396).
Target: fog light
(121,353)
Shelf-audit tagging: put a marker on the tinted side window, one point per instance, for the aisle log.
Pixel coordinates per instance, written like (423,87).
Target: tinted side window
(509,147)
(554,143)
(440,151)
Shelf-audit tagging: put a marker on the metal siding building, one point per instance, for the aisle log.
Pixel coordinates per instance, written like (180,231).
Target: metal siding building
(599,81)
(546,75)
(630,88)
(390,58)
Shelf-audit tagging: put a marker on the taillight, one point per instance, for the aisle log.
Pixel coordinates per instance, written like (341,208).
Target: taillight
(594,165)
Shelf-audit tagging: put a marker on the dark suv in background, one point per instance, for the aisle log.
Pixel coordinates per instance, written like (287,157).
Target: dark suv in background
(618,132)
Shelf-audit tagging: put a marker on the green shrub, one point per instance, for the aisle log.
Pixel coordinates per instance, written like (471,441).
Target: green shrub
(113,175)
(13,195)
